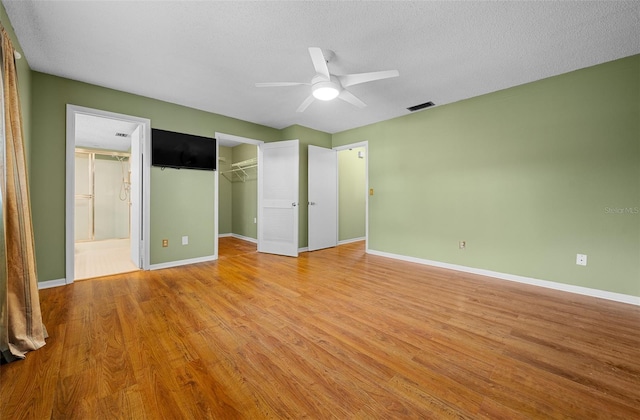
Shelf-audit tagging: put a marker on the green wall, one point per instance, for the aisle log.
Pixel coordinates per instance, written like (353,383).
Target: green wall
(351,194)
(528,177)
(245,194)
(307,136)
(225,207)
(182,204)
(171,216)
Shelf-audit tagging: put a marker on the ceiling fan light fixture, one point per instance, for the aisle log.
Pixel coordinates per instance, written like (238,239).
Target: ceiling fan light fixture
(325,91)
(326,86)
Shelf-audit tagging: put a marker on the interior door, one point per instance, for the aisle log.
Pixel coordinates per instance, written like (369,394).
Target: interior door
(278,165)
(323,198)
(135,168)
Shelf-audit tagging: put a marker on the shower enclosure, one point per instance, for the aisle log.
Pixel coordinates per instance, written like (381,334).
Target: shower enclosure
(102,196)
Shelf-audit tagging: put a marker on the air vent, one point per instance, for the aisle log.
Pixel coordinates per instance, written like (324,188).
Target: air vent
(122,135)
(421,106)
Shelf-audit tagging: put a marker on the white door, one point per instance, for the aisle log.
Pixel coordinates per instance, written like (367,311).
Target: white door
(135,195)
(278,164)
(323,198)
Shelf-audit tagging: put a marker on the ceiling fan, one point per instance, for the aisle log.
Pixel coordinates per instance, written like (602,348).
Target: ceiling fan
(326,86)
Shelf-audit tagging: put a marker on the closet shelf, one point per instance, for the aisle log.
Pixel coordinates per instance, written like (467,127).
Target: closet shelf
(242,171)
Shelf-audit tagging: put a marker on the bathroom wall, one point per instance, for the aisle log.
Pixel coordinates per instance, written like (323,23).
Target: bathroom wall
(107,215)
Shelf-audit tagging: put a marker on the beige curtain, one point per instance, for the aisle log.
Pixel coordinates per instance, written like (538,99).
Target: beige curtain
(22,329)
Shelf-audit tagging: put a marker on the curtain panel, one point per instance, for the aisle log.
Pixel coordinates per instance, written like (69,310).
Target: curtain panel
(21,326)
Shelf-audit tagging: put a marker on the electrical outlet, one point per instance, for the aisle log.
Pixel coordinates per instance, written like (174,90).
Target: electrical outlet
(581,259)
(255,220)
(165,243)
(185,240)
(462,244)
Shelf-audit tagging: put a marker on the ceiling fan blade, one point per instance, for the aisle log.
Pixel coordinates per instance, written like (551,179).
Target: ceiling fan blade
(278,84)
(319,62)
(347,96)
(354,79)
(305,104)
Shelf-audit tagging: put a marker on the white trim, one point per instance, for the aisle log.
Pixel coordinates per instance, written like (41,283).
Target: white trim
(51,283)
(364,144)
(238,139)
(179,263)
(216,186)
(304,249)
(602,294)
(235,235)
(145,150)
(349,241)
(244,238)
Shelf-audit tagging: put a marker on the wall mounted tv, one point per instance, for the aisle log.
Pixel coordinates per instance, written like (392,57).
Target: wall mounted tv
(178,150)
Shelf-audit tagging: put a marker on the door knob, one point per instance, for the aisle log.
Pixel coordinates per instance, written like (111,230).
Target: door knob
(294,204)
(312,203)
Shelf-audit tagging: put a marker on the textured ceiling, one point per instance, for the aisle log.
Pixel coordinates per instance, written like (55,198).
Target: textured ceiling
(209,55)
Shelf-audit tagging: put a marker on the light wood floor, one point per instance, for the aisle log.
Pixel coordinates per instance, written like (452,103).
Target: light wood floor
(231,247)
(332,334)
(102,258)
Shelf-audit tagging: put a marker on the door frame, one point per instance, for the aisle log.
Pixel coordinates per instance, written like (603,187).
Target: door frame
(145,150)
(238,139)
(364,144)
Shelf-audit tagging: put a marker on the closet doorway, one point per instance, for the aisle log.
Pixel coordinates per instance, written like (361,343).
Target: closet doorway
(237,195)
(106,225)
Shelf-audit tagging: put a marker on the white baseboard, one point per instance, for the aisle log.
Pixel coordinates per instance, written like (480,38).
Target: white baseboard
(348,241)
(225,235)
(51,283)
(244,238)
(178,263)
(303,249)
(603,294)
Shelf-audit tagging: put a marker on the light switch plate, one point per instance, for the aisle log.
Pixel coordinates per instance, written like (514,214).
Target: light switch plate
(185,240)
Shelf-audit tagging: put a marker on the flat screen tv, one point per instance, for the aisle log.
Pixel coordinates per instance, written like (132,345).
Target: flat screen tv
(178,150)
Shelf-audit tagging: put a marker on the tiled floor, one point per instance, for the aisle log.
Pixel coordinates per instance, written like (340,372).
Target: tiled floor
(102,258)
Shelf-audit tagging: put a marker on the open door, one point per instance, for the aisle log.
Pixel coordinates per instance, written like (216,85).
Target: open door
(135,197)
(278,174)
(323,198)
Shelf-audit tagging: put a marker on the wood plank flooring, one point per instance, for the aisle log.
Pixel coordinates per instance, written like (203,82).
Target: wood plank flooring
(332,334)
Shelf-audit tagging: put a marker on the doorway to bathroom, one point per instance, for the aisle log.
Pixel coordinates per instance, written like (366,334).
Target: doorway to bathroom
(102,213)
(106,227)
